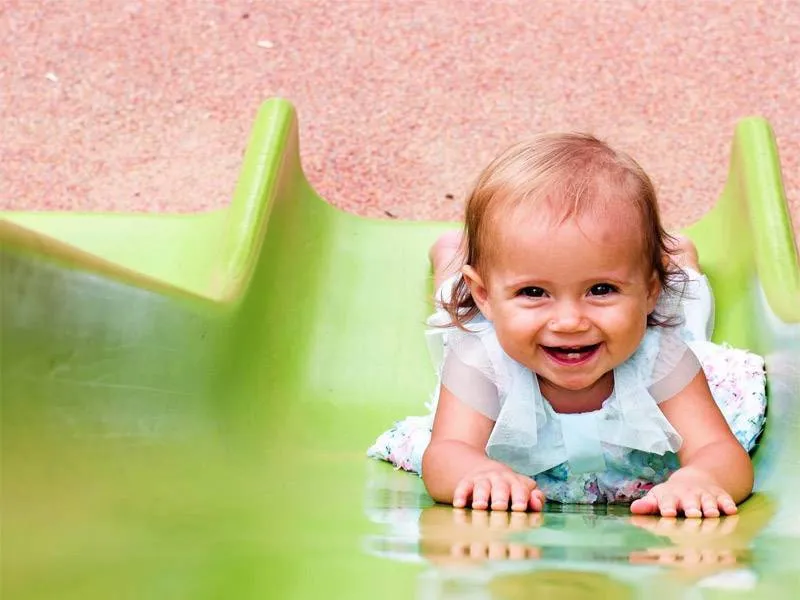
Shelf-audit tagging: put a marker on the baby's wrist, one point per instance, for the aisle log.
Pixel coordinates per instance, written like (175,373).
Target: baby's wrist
(693,474)
(490,465)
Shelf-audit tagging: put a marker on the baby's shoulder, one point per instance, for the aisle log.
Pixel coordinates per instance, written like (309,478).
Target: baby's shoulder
(646,354)
(661,349)
(664,364)
(476,346)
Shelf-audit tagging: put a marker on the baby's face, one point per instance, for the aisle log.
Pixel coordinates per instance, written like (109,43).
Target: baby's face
(569,301)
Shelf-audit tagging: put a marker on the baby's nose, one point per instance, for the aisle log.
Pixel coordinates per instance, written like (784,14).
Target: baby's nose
(568,317)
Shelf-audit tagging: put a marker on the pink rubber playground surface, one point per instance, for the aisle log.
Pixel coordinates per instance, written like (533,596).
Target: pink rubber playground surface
(147,106)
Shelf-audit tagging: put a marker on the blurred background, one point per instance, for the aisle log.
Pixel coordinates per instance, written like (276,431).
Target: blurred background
(147,106)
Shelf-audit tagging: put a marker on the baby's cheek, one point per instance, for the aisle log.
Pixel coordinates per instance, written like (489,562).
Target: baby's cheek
(519,323)
(517,338)
(627,328)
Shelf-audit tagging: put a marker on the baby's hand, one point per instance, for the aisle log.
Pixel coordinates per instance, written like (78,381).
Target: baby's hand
(496,487)
(693,496)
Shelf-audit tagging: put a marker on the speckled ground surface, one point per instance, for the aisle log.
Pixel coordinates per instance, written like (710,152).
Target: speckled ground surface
(141,105)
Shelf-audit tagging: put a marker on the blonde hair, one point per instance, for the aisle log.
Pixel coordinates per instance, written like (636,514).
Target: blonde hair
(573,173)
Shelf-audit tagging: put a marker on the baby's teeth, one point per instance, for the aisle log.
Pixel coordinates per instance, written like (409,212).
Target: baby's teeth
(573,355)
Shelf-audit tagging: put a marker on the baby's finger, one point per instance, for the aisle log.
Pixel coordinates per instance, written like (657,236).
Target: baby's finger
(500,491)
(462,492)
(647,505)
(519,495)
(709,505)
(480,494)
(667,505)
(726,504)
(537,500)
(690,503)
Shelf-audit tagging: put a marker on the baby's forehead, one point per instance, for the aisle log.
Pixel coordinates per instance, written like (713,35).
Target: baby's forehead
(604,242)
(609,220)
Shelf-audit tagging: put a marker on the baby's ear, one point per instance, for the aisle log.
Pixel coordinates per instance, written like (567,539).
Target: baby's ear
(653,292)
(478,290)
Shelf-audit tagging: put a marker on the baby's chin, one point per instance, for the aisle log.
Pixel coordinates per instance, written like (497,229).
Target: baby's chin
(582,383)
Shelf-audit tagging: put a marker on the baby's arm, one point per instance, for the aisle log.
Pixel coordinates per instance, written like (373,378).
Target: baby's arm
(715,474)
(455,468)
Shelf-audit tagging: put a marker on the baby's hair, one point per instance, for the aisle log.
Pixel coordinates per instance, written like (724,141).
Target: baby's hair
(573,173)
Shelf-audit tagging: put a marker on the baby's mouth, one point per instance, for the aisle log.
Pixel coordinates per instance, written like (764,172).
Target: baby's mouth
(571,355)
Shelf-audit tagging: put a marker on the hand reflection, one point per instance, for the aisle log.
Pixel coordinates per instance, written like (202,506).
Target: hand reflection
(683,530)
(699,544)
(453,535)
(457,535)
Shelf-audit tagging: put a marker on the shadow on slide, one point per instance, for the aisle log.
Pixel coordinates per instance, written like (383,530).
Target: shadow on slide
(187,401)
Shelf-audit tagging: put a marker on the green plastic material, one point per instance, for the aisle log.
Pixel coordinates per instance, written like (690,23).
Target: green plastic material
(187,401)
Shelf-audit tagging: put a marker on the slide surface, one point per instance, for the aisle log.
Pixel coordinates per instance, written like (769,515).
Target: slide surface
(187,401)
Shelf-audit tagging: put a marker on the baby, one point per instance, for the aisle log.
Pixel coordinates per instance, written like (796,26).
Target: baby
(568,346)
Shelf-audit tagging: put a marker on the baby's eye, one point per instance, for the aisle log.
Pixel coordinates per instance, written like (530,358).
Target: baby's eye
(602,289)
(532,292)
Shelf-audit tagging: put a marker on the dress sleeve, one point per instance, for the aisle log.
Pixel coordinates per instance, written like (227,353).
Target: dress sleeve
(468,373)
(674,368)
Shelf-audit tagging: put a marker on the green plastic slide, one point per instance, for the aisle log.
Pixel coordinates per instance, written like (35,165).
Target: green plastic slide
(187,402)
